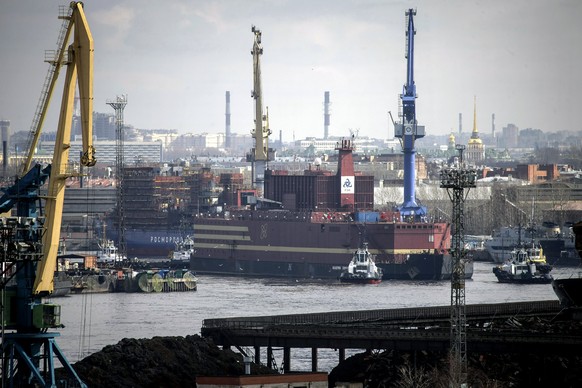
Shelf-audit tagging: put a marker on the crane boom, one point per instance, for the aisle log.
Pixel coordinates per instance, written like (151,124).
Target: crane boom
(79,70)
(409,90)
(261,132)
(52,76)
(260,154)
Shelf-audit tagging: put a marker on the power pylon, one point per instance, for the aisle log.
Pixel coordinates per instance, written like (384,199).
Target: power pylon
(119,105)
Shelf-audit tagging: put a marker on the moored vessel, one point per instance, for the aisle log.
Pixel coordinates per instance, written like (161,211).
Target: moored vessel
(526,266)
(108,253)
(290,235)
(557,243)
(183,251)
(569,289)
(62,285)
(362,269)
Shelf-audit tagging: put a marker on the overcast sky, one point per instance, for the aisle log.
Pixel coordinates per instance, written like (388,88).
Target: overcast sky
(175,59)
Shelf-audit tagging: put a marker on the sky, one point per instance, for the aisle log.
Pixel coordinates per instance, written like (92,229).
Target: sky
(175,59)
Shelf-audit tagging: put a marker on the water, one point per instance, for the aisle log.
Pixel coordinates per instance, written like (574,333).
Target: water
(95,320)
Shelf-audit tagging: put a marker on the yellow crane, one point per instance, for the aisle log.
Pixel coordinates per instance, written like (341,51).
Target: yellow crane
(79,70)
(31,243)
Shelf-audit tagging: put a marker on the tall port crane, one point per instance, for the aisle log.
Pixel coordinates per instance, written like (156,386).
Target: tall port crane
(407,129)
(56,62)
(259,155)
(30,242)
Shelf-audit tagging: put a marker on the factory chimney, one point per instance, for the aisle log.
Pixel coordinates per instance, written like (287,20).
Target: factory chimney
(460,123)
(326,115)
(227,135)
(493,125)
(5,130)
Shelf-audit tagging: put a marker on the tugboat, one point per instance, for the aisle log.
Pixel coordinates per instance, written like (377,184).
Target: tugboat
(184,250)
(108,253)
(362,268)
(525,266)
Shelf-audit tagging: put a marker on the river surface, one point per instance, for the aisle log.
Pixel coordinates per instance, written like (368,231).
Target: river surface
(93,321)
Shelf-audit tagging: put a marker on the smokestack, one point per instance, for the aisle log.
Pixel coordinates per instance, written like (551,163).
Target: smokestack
(460,123)
(280,139)
(227,114)
(492,124)
(325,115)
(5,131)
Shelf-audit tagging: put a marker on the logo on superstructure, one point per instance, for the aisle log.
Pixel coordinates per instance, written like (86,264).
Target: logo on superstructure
(165,239)
(347,185)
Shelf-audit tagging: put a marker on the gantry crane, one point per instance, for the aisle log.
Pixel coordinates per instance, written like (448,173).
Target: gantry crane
(407,129)
(30,242)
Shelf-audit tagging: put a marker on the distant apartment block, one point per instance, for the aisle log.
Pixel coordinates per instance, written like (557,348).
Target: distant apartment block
(105,151)
(532,173)
(509,137)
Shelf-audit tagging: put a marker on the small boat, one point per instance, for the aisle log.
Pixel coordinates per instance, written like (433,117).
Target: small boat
(108,253)
(184,250)
(525,266)
(362,268)
(62,284)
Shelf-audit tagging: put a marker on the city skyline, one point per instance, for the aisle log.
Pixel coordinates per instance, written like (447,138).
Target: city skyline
(175,60)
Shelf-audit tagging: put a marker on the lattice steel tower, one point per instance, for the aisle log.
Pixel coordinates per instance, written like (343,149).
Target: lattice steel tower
(119,105)
(456,179)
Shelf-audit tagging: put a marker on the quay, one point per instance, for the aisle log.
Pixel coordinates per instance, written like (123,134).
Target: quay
(490,328)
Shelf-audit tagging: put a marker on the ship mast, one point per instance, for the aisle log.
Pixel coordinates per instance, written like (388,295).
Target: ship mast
(259,155)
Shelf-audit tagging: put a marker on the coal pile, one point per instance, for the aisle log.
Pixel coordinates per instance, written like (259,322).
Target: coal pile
(160,362)
(431,369)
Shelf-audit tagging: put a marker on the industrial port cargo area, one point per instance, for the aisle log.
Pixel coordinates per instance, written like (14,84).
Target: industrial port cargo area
(159,258)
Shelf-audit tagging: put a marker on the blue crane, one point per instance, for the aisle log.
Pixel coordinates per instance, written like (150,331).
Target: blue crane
(407,129)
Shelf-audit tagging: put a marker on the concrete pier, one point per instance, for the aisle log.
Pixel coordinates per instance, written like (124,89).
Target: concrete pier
(411,329)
